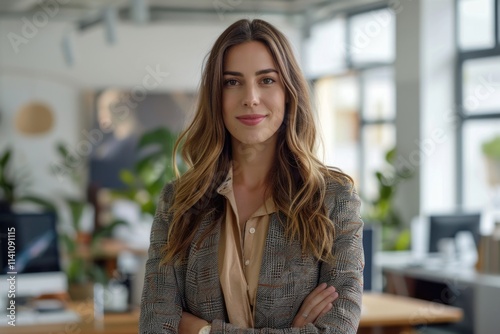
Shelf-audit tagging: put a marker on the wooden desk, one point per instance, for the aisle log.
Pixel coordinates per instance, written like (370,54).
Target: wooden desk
(112,323)
(396,314)
(476,293)
(381,313)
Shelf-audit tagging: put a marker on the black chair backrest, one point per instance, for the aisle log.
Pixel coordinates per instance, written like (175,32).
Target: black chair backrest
(368,248)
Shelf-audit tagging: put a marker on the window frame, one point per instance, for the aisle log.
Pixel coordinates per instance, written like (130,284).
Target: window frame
(358,70)
(461,116)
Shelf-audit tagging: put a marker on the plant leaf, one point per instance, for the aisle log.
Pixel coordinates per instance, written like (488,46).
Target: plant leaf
(38,200)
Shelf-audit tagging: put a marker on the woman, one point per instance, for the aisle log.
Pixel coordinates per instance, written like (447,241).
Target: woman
(258,235)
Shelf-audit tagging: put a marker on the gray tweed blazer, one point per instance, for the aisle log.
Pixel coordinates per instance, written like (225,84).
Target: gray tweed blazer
(286,276)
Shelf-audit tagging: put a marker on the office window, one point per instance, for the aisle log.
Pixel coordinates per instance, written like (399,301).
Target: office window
(476,24)
(338,98)
(324,53)
(481,85)
(356,104)
(371,37)
(477,99)
(378,94)
(477,186)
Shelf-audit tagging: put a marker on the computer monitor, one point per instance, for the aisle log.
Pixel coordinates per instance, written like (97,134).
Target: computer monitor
(29,253)
(447,226)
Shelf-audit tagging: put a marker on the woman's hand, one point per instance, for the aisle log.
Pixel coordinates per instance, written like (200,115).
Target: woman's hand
(190,324)
(317,303)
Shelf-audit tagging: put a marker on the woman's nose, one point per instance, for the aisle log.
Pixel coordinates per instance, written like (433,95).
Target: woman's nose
(251,97)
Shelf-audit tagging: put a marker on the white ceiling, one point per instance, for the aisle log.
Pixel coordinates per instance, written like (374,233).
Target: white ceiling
(89,10)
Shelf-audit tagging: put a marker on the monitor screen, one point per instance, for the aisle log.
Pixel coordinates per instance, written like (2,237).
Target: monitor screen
(447,226)
(28,243)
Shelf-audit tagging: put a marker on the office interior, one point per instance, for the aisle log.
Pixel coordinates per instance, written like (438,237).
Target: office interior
(407,101)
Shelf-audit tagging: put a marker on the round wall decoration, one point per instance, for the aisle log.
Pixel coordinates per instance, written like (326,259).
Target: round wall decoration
(34,118)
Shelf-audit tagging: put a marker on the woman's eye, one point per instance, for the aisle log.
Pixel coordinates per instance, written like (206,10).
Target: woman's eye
(268,81)
(230,82)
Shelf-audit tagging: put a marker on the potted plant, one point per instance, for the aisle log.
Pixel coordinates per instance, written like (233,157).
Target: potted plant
(152,171)
(80,245)
(491,152)
(382,211)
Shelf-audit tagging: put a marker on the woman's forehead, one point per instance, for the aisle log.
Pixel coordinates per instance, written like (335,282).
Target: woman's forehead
(248,55)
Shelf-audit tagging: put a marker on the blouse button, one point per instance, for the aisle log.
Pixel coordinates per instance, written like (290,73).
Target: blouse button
(247,262)
(252,230)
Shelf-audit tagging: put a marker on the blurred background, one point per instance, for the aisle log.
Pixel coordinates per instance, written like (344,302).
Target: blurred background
(407,98)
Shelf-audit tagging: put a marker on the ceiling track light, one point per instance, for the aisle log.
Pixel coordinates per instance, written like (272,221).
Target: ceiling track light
(110,19)
(139,11)
(68,48)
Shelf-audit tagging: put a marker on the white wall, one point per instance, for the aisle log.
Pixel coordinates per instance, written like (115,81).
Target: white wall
(38,70)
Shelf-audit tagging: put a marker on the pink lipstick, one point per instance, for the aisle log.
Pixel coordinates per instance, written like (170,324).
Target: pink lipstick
(252,119)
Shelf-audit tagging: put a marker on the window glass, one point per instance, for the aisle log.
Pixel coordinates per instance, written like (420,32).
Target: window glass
(377,141)
(324,51)
(476,24)
(337,102)
(478,169)
(378,94)
(481,85)
(372,37)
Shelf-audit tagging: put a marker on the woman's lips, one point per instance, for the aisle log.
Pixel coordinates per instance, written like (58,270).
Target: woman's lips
(251,119)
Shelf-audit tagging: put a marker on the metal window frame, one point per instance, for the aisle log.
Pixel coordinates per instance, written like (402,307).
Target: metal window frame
(359,70)
(461,115)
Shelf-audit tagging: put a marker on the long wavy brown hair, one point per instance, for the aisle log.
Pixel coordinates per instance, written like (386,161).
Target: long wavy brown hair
(298,180)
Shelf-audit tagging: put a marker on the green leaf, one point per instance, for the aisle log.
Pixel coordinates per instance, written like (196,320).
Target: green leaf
(77,270)
(149,160)
(127,177)
(106,231)
(76,208)
(69,243)
(491,148)
(98,274)
(38,200)
(159,136)
(386,192)
(63,150)
(390,156)
(4,160)
(403,240)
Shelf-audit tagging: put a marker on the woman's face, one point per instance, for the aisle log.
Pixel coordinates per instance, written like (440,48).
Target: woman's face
(253,95)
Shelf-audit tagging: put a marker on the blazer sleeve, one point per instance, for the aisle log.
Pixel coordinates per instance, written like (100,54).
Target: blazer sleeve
(161,308)
(344,272)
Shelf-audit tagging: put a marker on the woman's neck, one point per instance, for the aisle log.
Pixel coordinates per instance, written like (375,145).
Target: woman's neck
(252,163)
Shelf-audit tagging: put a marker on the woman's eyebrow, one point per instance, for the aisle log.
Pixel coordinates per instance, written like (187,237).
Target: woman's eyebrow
(239,74)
